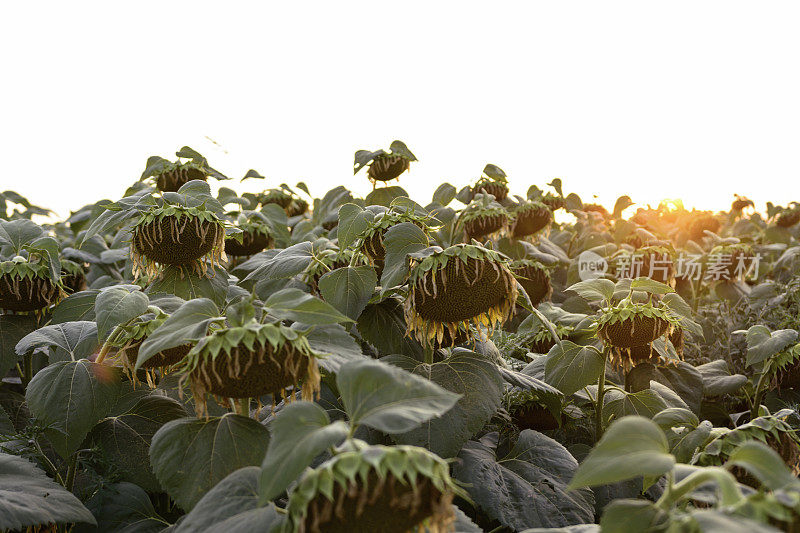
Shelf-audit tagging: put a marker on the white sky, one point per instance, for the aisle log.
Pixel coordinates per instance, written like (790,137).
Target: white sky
(695,100)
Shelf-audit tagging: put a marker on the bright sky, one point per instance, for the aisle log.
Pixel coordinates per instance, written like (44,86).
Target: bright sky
(696,100)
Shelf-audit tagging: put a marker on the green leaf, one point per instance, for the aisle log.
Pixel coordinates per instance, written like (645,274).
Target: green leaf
(78,306)
(19,232)
(623,202)
(117,305)
(764,463)
(763,344)
(232,507)
(300,432)
(685,380)
(619,404)
(571,367)
(399,241)
(122,507)
(385,195)
(70,397)
(288,263)
(190,456)
(13,328)
(383,326)
(299,306)
(480,385)
(624,516)
(593,290)
(353,220)
(528,487)
(29,498)
(188,323)
(77,339)
(388,398)
(632,446)
(349,289)
(650,286)
(334,343)
(717,379)
(686,444)
(444,194)
(124,439)
(187,284)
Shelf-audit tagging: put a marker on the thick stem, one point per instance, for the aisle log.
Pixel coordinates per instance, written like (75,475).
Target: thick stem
(71,468)
(601,392)
(729,491)
(243,407)
(27,363)
(429,354)
(759,393)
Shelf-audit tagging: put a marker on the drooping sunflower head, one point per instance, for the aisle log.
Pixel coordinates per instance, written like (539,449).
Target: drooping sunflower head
(177,235)
(384,166)
(364,489)
(275,196)
(554,202)
(256,236)
(530,218)
(28,285)
(702,223)
(486,185)
(370,241)
(541,340)
(73,276)
(630,328)
(534,278)
(528,410)
(788,217)
(128,338)
(482,219)
(250,361)
(455,288)
(733,259)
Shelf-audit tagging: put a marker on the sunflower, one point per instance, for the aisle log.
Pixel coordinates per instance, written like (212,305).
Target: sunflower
(256,236)
(534,278)
(364,489)
(176,235)
(250,361)
(27,286)
(457,287)
(483,219)
(630,328)
(529,218)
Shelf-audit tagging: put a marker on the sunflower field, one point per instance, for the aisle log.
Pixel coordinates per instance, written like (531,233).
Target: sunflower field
(177,360)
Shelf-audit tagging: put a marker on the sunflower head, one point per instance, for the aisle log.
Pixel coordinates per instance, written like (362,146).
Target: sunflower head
(366,488)
(256,236)
(382,165)
(330,259)
(176,235)
(249,361)
(630,328)
(275,196)
(28,285)
(482,219)
(534,278)
(370,241)
(529,411)
(127,340)
(455,288)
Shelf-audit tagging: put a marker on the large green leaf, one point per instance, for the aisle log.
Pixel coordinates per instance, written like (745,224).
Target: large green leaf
(12,330)
(632,446)
(528,487)
(232,507)
(76,339)
(618,404)
(480,385)
(123,508)
(383,325)
(399,241)
(287,263)
(188,323)
(299,433)
(353,220)
(70,397)
(190,456)
(335,345)
(349,289)
(718,380)
(624,516)
(570,367)
(117,305)
(299,306)
(78,306)
(19,232)
(124,439)
(29,498)
(187,284)
(593,289)
(385,195)
(388,398)
(444,194)
(685,380)
(763,344)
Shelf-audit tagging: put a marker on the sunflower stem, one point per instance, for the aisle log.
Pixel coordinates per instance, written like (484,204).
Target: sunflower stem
(71,468)
(428,354)
(601,385)
(759,393)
